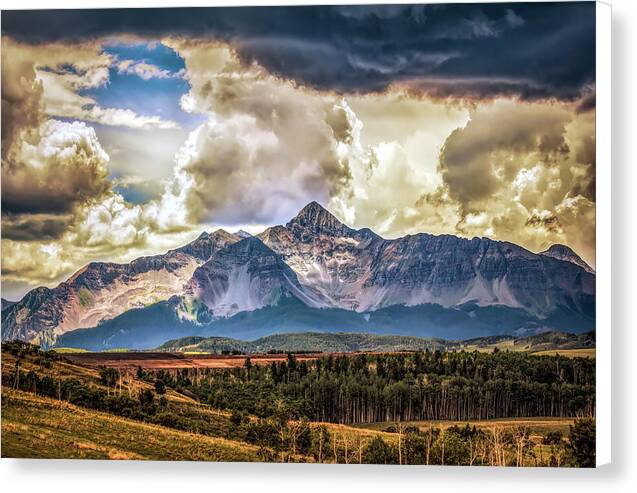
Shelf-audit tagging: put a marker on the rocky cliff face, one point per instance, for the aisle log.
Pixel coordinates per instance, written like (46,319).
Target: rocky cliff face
(331,260)
(358,270)
(101,291)
(243,276)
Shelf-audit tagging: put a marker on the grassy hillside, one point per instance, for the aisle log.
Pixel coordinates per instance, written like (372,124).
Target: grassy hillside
(40,427)
(536,426)
(304,341)
(37,426)
(569,353)
(554,340)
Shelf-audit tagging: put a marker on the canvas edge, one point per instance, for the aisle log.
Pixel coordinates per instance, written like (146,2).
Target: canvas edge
(603,215)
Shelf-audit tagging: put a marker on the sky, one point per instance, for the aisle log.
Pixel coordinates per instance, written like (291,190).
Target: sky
(128,132)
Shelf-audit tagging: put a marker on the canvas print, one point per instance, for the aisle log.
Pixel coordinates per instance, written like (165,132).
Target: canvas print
(328,234)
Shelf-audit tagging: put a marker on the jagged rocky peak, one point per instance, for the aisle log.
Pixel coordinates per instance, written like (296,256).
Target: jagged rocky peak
(243,234)
(316,218)
(206,244)
(560,250)
(243,252)
(566,253)
(248,246)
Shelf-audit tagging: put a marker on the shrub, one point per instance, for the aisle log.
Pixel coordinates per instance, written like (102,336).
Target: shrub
(581,446)
(377,451)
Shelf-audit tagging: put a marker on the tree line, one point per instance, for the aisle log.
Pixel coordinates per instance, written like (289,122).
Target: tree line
(427,385)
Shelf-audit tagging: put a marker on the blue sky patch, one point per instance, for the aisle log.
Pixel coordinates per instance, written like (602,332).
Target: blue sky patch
(156,96)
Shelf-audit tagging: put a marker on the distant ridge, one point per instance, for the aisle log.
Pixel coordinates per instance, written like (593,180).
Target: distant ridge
(7,303)
(348,342)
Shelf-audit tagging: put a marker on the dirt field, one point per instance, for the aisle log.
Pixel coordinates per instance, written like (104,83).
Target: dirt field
(156,361)
(569,353)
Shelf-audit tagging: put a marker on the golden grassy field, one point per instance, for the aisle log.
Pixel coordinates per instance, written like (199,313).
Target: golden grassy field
(39,427)
(569,353)
(536,426)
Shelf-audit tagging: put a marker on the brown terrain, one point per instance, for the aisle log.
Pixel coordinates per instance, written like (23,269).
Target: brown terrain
(158,361)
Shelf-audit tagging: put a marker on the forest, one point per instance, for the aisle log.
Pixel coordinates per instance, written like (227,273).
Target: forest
(423,385)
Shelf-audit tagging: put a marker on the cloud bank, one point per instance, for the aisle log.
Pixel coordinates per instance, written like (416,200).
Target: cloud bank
(525,50)
(265,150)
(475,120)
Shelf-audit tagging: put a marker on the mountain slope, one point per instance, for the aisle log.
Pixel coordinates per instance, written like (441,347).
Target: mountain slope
(102,290)
(149,327)
(6,304)
(243,276)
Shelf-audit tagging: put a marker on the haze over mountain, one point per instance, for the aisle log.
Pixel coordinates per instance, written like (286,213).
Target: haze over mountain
(314,273)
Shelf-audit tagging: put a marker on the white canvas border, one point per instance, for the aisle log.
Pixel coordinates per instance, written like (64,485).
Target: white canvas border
(603,323)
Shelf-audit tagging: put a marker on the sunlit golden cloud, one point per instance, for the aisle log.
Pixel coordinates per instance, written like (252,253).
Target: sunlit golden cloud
(394,161)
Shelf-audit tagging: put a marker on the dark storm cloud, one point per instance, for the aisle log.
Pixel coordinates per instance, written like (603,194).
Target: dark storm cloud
(34,227)
(528,50)
(587,103)
(550,223)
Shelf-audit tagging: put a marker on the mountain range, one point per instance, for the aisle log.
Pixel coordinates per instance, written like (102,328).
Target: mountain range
(312,274)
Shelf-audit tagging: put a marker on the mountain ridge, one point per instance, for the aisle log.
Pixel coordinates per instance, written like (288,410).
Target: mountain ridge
(325,265)
(91,294)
